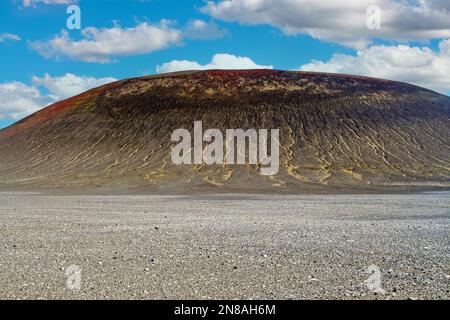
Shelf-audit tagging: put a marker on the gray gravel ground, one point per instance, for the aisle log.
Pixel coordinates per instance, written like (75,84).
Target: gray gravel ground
(229,246)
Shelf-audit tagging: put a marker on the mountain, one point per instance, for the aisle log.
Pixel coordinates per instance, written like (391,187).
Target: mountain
(336,132)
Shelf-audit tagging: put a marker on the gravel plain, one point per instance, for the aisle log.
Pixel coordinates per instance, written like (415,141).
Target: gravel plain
(224,246)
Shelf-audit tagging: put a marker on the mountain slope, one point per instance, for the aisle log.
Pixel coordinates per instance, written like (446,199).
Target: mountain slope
(335,131)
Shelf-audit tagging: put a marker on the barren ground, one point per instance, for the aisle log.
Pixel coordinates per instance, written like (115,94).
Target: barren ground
(230,246)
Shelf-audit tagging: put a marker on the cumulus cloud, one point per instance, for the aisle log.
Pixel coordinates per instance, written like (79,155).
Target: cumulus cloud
(341,21)
(100,45)
(33,3)
(18,100)
(219,61)
(417,65)
(9,36)
(69,84)
(199,29)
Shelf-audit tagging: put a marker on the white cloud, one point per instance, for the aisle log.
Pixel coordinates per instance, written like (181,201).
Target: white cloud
(100,45)
(33,3)
(9,36)
(341,21)
(219,61)
(69,84)
(417,65)
(199,29)
(18,100)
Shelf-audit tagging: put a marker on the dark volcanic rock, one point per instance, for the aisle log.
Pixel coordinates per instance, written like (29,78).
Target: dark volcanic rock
(335,131)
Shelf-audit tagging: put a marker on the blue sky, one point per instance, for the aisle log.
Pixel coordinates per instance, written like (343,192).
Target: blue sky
(43,61)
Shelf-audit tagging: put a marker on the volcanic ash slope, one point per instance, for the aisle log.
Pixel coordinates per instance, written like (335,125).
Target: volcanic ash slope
(336,131)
